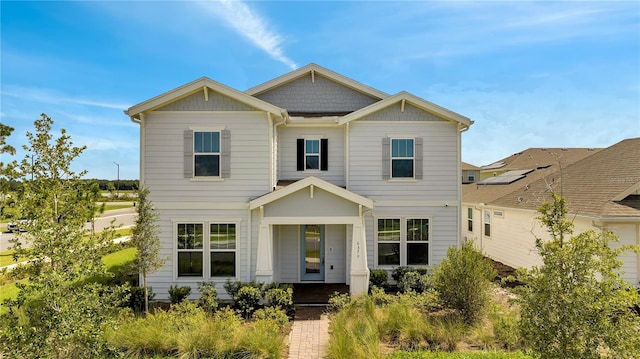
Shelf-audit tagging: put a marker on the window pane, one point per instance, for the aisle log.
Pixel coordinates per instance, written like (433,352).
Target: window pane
(206,142)
(417,254)
(417,229)
(402,147)
(190,236)
(388,230)
(223,236)
(487,229)
(401,168)
(223,264)
(312,146)
(388,253)
(189,264)
(313,162)
(207,165)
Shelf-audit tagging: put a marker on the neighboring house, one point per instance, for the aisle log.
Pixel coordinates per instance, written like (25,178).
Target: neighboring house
(602,191)
(470,173)
(309,177)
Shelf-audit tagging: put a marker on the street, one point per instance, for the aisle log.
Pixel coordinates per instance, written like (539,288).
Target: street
(122,218)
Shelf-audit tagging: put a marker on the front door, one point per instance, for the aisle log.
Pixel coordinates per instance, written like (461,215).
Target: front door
(312,252)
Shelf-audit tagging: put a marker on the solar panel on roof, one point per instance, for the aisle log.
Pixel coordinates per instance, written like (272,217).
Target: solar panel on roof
(506,178)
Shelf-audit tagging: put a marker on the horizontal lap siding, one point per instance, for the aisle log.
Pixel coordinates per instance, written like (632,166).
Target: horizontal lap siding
(164,157)
(440,180)
(162,279)
(335,254)
(287,152)
(289,256)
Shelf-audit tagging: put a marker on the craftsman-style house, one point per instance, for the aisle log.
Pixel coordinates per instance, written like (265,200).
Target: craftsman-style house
(309,177)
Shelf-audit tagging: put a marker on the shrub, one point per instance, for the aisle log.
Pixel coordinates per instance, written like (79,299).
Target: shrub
(232,288)
(208,296)
(399,272)
(274,314)
(338,301)
(415,281)
(354,331)
(178,294)
(136,298)
(261,339)
(379,278)
(247,300)
(463,280)
(380,297)
(281,298)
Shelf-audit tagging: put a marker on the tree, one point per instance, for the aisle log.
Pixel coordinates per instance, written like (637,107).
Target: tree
(463,280)
(60,312)
(5,131)
(576,305)
(146,240)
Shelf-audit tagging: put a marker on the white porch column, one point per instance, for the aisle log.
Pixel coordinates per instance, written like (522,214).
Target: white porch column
(359,271)
(264,265)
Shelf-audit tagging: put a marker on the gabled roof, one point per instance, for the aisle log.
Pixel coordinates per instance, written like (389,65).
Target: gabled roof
(313,69)
(469,167)
(602,185)
(199,85)
(307,182)
(416,101)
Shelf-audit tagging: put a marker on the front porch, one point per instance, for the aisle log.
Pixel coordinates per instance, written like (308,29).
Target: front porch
(316,293)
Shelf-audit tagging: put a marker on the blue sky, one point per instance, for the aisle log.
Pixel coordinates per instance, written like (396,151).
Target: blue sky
(530,74)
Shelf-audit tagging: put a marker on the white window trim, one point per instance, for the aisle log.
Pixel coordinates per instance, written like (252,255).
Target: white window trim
(206,248)
(403,239)
(319,154)
(485,222)
(413,159)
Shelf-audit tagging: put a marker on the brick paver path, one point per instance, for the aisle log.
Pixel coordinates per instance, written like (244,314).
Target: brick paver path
(309,338)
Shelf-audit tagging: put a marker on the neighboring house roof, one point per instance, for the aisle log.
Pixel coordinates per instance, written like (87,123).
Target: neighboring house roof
(313,69)
(308,182)
(469,167)
(203,84)
(528,166)
(605,184)
(405,97)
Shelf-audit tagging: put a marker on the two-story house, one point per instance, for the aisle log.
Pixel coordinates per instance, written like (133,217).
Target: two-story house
(309,177)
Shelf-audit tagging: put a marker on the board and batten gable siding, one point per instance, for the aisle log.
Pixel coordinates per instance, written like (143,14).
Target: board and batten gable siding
(440,179)
(216,102)
(320,96)
(164,157)
(166,276)
(287,138)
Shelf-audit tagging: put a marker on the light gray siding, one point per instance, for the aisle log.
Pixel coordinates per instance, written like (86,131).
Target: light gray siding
(300,204)
(216,102)
(288,257)
(320,96)
(287,153)
(163,161)
(394,113)
(335,254)
(440,155)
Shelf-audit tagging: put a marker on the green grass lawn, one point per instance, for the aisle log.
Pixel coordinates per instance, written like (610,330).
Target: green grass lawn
(121,205)
(6,258)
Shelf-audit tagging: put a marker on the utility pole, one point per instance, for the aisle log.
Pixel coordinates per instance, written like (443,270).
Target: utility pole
(118,181)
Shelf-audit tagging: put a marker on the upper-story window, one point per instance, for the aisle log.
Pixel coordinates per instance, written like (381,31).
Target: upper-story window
(402,158)
(206,150)
(207,153)
(312,154)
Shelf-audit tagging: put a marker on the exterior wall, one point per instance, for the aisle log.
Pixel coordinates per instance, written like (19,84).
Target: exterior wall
(166,276)
(164,167)
(335,254)
(287,153)
(512,239)
(300,203)
(288,256)
(394,113)
(320,96)
(441,179)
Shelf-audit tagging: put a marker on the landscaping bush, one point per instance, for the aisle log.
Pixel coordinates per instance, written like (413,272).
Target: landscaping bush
(281,298)
(208,297)
(399,272)
(136,298)
(274,314)
(247,300)
(232,288)
(379,278)
(463,280)
(178,294)
(441,355)
(415,281)
(354,331)
(338,301)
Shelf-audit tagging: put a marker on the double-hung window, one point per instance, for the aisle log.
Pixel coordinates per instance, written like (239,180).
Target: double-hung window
(223,249)
(487,223)
(312,154)
(402,158)
(389,241)
(470,219)
(206,153)
(190,249)
(403,241)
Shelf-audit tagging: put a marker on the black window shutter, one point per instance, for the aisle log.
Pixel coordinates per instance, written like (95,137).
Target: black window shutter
(300,151)
(324,154)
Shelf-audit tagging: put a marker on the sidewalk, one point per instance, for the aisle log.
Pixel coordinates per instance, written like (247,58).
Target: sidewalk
(309,335)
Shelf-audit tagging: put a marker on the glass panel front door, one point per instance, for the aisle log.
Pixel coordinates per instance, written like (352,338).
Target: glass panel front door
(312,252)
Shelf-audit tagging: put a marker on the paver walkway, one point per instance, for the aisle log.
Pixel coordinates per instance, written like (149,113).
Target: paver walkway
(309,338)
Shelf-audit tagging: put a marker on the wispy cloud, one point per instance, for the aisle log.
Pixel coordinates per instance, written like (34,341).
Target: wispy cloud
(251,25)
(49,96)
